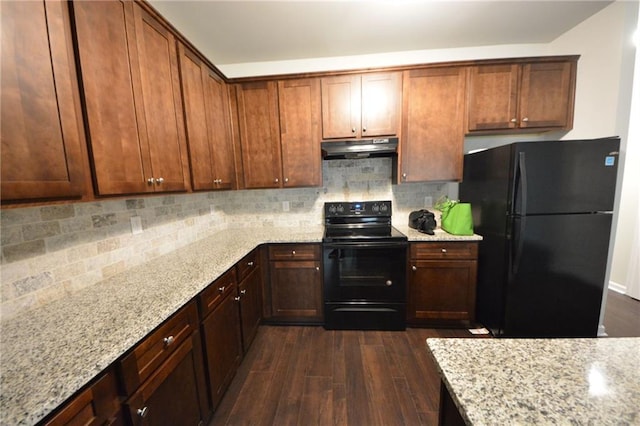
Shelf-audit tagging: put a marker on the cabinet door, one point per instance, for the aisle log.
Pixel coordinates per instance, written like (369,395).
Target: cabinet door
(222,346)
(299,102)
(175,394)
(42,130)
(296,290)
(433,123)
(250,306)
(547,95)
(259,134)
(341,107)
(160,89)
(207,120)
(493,97)
(381,104)
(442,291)
(111,80)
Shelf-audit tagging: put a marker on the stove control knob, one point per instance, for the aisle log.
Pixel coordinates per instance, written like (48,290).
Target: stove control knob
(389,283)
(375,208)
(332,209)
(384,208)
(340,208)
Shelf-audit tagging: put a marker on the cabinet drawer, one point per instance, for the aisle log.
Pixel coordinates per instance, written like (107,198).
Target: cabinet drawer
(294,252)
(156,347)
(214,294)
(247,265)
(98,404)
(444,250)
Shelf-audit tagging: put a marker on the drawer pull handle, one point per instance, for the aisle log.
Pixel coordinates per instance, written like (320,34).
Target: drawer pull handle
(142,412)
(243,291)
(221,289)
(168,341)
(249,263)
(414,268)
(237,298)
(389,283)
(444,250)
(293,252)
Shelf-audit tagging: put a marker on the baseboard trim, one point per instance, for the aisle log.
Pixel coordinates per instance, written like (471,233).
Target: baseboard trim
(618,288)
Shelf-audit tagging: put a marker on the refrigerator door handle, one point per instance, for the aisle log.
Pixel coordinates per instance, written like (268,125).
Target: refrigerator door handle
(518,242)
(522,166)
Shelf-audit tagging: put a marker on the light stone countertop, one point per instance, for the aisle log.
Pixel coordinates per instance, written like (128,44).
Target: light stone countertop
(439,235)
(49,353)
(542,381)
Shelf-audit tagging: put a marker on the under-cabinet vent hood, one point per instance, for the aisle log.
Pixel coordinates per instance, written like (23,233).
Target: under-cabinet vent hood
(365,148)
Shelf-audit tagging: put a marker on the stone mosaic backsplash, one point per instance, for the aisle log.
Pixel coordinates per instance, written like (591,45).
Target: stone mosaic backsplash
(50,251)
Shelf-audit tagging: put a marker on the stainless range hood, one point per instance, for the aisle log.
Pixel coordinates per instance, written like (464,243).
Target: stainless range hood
(364,148)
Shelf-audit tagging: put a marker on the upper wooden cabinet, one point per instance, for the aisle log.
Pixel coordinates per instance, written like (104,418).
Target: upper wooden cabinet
(537,95)
(42,133)
(360,106)
(257,108)
(299,107)
(206,107)
(132,95)
(432,124)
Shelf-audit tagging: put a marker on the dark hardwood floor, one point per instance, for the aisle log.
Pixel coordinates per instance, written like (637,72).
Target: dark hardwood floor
(309,376)
(621,315)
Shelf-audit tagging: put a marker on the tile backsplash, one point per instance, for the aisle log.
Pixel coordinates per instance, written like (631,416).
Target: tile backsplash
(50,251)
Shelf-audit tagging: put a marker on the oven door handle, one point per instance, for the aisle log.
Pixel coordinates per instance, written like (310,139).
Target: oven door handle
(367,244)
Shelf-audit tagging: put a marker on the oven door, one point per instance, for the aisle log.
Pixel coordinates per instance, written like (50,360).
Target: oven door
(365,271)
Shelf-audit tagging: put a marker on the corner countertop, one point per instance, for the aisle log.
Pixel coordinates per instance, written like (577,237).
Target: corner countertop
(542,381)
(50,353)
(439,235)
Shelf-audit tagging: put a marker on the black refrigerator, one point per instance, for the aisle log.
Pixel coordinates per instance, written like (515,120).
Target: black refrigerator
(544,210)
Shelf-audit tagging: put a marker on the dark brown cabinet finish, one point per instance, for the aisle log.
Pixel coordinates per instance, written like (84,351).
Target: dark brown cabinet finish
(42,133)
(250,298)
(99,404)
(537,95)
(300,135)
(442,283)
(295,283)
(257,105)
(360,106)
(221,334)
(130,78)
(432,124)
(163,376)
(207,123)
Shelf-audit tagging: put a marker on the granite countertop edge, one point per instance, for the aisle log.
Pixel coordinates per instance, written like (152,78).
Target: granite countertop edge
(51,352)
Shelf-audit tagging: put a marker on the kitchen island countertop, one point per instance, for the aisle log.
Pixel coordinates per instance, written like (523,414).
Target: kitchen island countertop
(542,381)
(51,352)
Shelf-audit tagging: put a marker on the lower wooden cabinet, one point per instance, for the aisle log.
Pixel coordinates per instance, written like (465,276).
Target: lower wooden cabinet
(168,367)
(442,283)
(250,298)
(221,337)
(99,404)
(295,283)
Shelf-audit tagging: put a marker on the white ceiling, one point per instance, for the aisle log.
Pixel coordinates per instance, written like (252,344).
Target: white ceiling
(236,31)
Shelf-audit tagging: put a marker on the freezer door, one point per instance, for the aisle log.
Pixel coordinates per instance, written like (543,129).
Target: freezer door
(556,275)
(564,176)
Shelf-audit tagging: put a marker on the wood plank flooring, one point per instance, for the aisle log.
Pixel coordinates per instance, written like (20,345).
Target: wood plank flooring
(310,376)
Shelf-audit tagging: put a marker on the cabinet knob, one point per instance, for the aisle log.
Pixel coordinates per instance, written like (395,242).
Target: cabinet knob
(286,180)
(404,176)
(364,129)
(221,289)
(168,341)
(249,263)
(150,181)
(243,291)
(414,268)
(524,120)
(389,283)
(444,250)
(353,130)
(237,298)
(142,412)
(317,268)
(293,252)
(159,180)
(513,120)
(217,181)
(276,180)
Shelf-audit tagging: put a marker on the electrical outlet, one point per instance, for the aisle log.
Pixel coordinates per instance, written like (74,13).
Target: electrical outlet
(428,201)
(285,206)
(136,225)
